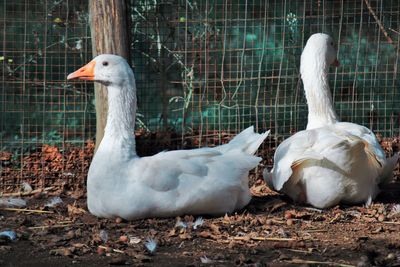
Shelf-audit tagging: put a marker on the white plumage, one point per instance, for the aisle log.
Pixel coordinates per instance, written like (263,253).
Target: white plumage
(199,181)
(330,162)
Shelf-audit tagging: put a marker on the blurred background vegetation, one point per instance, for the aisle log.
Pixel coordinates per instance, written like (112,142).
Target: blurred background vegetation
(202,66)
(42,41)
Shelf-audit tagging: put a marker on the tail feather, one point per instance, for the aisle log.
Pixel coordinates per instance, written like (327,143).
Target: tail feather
(247,141)
(387,171)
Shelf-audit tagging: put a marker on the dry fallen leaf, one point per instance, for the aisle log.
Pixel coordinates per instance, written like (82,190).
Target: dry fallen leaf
(185,236)
(172,233)
(72,210)
(215,229)
(5,156)
(206,234)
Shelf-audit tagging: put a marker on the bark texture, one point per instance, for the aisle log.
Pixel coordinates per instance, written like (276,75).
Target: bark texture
(110,35)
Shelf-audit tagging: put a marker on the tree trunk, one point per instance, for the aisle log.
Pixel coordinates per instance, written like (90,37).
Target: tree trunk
(110,35)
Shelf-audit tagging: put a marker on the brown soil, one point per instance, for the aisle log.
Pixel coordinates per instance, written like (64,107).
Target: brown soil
(271,231)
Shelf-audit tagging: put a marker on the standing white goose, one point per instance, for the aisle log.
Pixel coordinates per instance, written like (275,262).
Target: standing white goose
(330,162)
(199,181)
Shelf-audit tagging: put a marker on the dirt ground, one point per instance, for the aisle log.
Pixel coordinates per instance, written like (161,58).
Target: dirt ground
(271,231)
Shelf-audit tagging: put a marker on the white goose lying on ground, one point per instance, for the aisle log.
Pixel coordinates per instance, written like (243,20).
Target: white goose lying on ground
(199,181)
(330,162)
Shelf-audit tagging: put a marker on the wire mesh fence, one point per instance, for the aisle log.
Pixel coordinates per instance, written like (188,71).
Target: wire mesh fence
(224,65)
(41,41)
(203,68)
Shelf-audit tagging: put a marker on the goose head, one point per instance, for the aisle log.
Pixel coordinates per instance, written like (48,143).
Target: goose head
(107,69)
(319,52)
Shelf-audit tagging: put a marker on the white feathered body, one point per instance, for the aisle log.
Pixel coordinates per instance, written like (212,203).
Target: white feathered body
(341,163)
(198,181)
(330,162)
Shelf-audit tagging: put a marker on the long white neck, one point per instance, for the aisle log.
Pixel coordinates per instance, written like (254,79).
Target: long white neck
(319,98)
(119,138)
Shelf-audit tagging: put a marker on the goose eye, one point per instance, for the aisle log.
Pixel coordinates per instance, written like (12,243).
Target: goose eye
(105,63)
(331,43)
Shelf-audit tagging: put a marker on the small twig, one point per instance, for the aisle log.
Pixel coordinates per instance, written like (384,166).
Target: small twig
(113,249)
(398,223)
(315,231)
(300,261)
(175,55)
(300,251)
(21,194)
(394,31)
(276,221)
(260,238)
(26,210)
(29,60)
(314,209)
(55,226)
(390,41)
(334,219)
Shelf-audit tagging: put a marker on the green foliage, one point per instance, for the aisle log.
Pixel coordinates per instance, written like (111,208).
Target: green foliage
(43,39)
(228,65)
(205,65)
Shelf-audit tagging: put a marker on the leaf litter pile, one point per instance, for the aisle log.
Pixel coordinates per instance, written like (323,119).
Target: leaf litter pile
(44,221)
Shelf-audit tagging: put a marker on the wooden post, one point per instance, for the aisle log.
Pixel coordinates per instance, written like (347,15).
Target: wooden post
(110,35)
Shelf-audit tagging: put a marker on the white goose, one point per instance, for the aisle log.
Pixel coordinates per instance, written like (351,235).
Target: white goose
(330,162)
(199,181)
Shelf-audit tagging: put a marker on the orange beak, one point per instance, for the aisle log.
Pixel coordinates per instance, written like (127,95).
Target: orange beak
(84,73)
(336,63)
